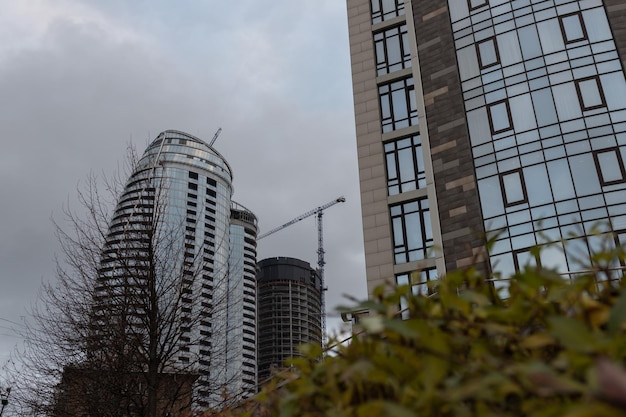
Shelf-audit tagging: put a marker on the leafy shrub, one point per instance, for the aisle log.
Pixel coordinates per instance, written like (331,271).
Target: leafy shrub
(545,347)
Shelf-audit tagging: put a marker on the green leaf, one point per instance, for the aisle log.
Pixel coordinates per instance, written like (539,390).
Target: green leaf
(572,334)
(618,314)
(384,408)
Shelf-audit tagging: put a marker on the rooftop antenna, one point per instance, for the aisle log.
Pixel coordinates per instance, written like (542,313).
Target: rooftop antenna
(215,137)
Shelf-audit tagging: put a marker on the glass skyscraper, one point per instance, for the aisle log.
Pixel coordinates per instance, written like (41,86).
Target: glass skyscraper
(484,117)
(179,247)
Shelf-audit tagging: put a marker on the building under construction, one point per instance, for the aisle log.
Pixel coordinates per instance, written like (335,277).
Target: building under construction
(289,311)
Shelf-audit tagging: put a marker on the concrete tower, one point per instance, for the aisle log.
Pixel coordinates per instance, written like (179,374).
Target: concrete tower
(290,310)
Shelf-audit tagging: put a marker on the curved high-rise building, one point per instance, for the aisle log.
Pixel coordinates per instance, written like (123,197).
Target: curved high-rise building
(289,310)
(178,267)
(488,117)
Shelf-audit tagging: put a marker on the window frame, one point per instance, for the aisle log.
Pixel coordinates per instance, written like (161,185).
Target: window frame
(426,232)
(472,8)
(380,15)
(399,32)
(412,119)
(520,174)
(579,93)
(419,168)
(431,275)
(479,56)
(582,26)
(509,116)
(620,163)
(529,250)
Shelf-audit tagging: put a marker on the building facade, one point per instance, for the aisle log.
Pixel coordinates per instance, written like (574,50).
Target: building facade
(289,311)
(484,119)
(178,267)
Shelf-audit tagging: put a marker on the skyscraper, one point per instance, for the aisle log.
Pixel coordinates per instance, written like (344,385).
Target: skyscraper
(289,310)
(178,270)
(477,117)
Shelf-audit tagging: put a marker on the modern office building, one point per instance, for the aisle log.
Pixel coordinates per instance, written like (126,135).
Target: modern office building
(476,117)
(289,311)
(178,245)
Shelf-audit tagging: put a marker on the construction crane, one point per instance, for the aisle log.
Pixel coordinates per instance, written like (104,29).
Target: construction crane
(215,137)
(320,247)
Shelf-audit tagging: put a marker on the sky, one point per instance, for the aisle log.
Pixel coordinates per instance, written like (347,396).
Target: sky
(81,79)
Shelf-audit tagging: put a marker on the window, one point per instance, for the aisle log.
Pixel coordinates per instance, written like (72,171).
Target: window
(610,166)
(513,188)
(412,230)
(392,50)
(500,119)
(398,106)
(192,186)
(573,27)
(487,51)
(475,4)
(193,175)
(386,9)
(526,257)
(620,241)
(405,165)
(590,93)
(419,285)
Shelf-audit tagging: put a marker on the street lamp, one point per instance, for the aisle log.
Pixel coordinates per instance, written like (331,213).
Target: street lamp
(4,399)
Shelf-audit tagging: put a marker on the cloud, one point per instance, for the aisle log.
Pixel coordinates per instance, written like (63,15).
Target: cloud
(81,78)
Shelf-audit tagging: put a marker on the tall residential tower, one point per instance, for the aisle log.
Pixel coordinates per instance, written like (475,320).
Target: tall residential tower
(178,270)
(479,116)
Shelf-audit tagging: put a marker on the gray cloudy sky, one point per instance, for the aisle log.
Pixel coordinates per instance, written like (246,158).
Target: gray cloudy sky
(80,78)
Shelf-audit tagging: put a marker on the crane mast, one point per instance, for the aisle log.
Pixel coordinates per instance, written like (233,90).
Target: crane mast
(319,211)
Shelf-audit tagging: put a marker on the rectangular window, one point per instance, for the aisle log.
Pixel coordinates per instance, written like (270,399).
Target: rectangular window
(405,165)
(500,119)
(412,230)
(528,257)
(475,4)
(573,27)
(487,51)
(418,280)
(513,188)
(192,186)
(398,106)
(620,241)
(386,9)
(193,175)
(392,50)
(610,166)
(590,93)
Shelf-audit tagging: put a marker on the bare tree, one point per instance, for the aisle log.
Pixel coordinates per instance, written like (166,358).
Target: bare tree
(126,328)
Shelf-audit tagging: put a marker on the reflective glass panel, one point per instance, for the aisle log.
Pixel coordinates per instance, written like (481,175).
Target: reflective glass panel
(573,28)
(590,93)
(412,231)
(513,187)
(405,165)
(488,53)
(610,166)
(392,50)
(500,117)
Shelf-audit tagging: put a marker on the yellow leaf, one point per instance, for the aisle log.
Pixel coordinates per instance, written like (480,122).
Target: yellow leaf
(539,340)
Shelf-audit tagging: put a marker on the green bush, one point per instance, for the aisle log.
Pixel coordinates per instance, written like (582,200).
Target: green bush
(546,347)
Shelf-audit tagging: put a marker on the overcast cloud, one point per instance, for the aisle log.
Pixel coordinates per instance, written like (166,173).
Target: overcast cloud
(80,79)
